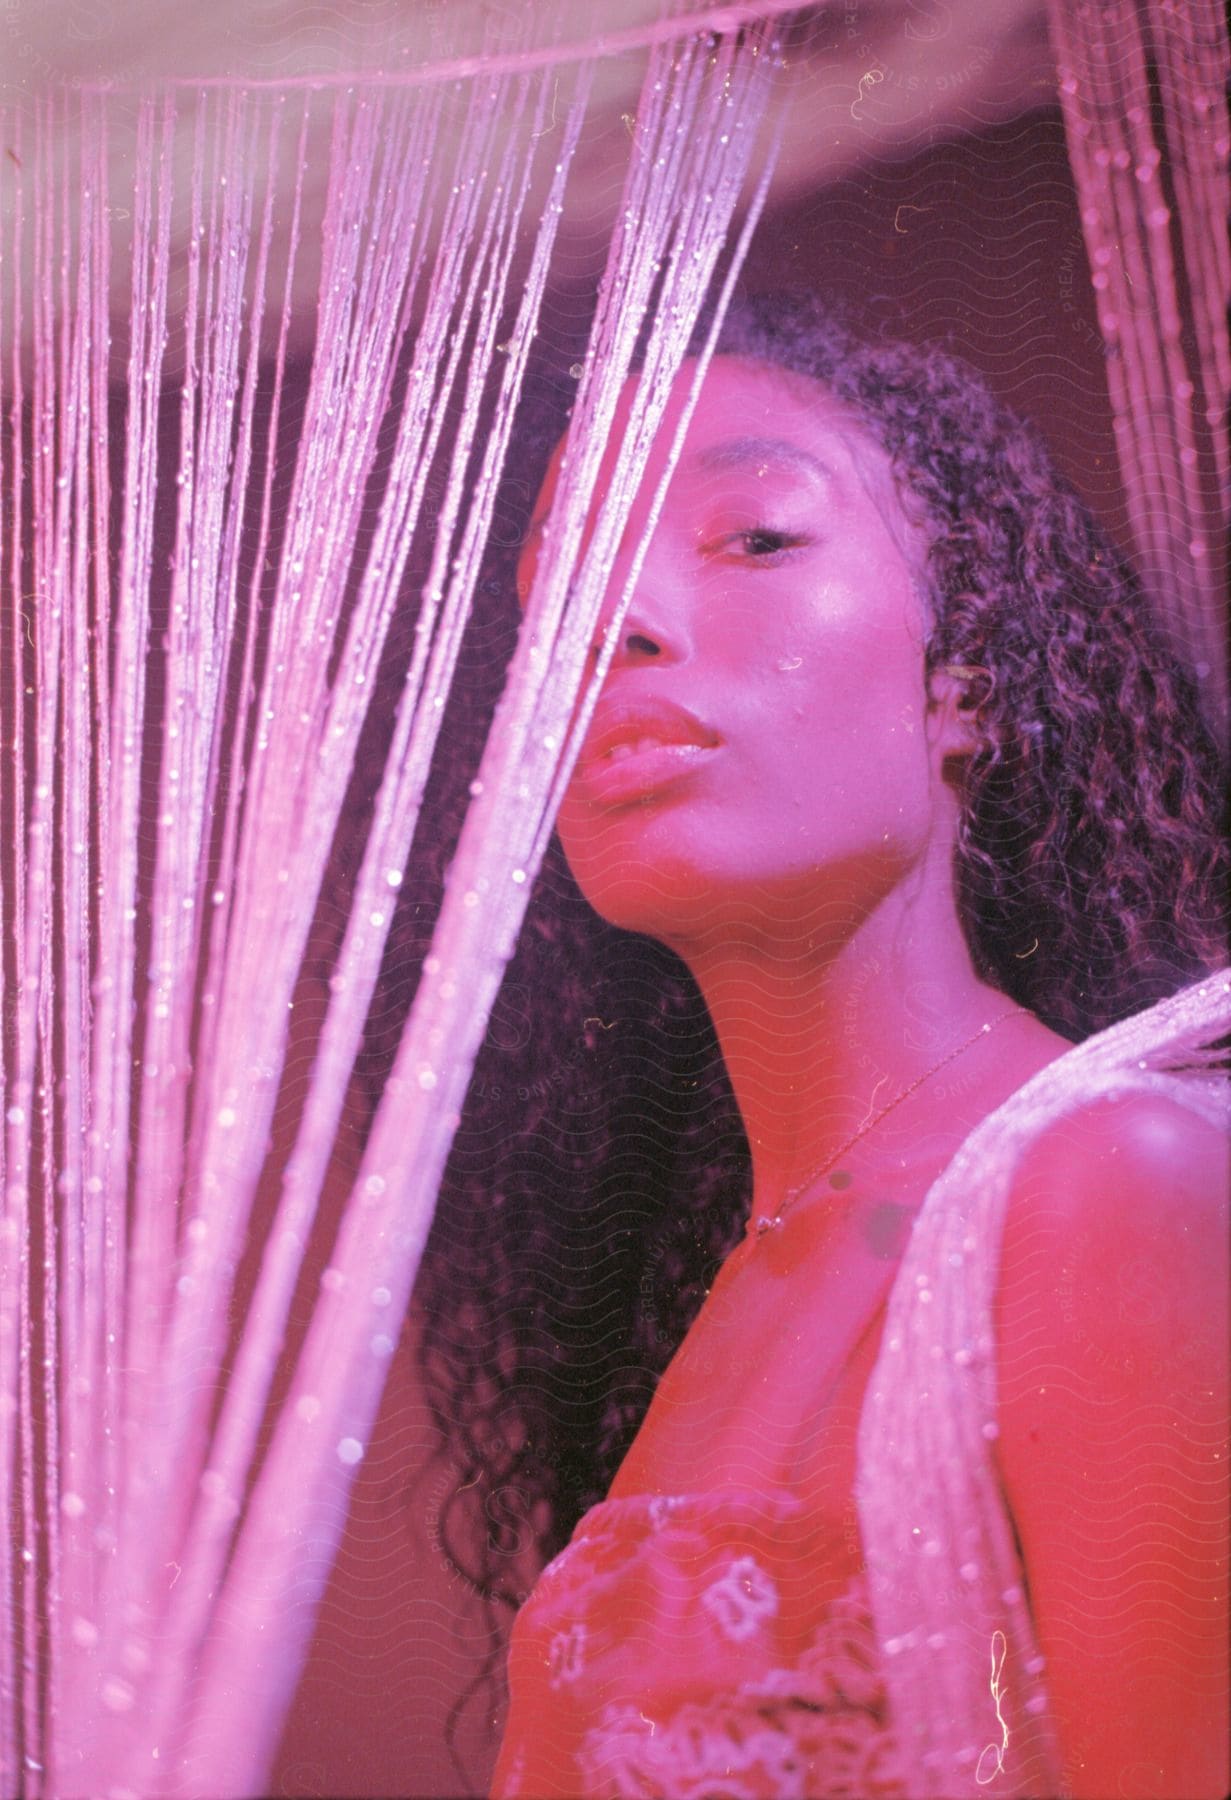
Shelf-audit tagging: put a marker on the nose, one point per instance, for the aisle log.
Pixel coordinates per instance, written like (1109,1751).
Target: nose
(654,629)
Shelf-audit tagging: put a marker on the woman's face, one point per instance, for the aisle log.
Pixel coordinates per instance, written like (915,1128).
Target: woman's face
(761,751)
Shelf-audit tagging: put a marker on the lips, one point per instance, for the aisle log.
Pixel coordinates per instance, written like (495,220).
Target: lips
(636,745)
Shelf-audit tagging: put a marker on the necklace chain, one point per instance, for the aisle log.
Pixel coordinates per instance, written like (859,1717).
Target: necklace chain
(768,1222)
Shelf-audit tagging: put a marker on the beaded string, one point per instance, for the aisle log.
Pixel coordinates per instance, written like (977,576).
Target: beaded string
(1168,404)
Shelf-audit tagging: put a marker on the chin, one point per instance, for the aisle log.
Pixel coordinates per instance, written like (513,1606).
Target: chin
(685,902)
(661,900)
(696,902)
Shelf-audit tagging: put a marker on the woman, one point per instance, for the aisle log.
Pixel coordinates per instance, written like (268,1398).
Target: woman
(928,1501)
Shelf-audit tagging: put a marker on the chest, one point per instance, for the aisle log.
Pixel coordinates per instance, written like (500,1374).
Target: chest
(766,1390)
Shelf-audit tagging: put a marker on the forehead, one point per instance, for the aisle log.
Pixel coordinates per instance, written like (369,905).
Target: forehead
(755,419)
(747,410)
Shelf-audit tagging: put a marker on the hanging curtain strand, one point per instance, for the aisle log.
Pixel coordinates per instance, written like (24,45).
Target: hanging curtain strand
(1169,399)
(189,656)
(291,1526)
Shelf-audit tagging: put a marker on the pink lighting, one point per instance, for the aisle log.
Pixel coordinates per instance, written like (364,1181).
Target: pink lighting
(261,390)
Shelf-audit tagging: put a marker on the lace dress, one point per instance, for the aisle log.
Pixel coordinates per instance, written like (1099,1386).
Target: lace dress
(676,1648)
(689,1646)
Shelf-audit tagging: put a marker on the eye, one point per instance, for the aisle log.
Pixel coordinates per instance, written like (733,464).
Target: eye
(761,543)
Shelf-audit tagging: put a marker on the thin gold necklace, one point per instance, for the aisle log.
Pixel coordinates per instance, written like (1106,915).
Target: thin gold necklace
(767,1222)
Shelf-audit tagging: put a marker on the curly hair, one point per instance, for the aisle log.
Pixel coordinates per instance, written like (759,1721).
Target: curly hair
(1089,870)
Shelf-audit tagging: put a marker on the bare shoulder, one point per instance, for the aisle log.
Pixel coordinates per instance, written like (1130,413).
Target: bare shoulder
(1112,1357)
(1116,1257)
(1147,1136)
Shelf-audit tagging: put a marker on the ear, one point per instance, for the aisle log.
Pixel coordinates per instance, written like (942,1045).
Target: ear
(955,694)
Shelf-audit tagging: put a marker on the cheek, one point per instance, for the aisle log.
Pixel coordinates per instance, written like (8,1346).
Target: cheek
(842,732)
(869,666)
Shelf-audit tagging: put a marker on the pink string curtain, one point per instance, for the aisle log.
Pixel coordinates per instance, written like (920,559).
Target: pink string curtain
(185,679)
(1143,89)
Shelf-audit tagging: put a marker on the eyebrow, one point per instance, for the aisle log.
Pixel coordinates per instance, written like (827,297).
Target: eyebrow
(738,452)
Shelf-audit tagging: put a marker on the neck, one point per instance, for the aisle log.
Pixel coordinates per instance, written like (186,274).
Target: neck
(820,1033)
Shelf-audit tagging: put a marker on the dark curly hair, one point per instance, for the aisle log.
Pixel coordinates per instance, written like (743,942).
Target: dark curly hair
(601,1174)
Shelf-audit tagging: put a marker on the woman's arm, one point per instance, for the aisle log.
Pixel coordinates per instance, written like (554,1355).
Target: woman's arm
(1112,1327)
